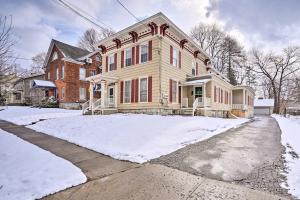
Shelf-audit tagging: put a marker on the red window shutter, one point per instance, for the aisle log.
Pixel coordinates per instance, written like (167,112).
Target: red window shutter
(132,90)
(171,55)
(133,55)
(150,50)
(121,91)
(221,95)
(170,90)
(150,89)
(136,90)
(179,59)
(116,61)
(197,68)
(179,94)
(106,64)
(137,54)
(122,59)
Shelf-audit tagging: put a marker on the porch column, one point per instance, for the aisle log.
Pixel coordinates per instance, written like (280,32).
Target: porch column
(103,93)
(91,95)
(243,99)
(204,95)
(116,94)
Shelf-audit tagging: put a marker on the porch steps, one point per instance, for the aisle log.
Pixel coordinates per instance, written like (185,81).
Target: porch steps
(186,111)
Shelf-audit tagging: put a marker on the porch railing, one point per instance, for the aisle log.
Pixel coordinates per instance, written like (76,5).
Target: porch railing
(239,106)
(201,102)
(85,106)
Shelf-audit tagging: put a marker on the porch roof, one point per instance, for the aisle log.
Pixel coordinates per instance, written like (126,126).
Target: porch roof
(43,84)
(196,82)
(99,77)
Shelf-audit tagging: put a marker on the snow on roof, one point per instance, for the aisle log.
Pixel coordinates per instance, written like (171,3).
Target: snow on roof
(197,82)
(263,102)
(42,83)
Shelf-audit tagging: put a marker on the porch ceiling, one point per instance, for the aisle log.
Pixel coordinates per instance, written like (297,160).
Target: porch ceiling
(195,82)
(99,77)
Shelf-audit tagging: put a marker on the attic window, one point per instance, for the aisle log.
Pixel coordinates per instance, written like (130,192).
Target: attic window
(54,56)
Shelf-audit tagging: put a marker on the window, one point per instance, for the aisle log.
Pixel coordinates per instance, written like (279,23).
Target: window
(111,62)
(82,93)
(93,73)
(49,75)
(193,68)
(144,90)
(63,72)
(175,57)
(174,91)
(56,72)
(127,91)
(82,73)
(128,57)
(18,96)
(62,93)
(98,58)
(54,56)
(144,53)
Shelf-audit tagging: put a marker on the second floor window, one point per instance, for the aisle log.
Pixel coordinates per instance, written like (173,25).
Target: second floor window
(144,53)
(175,57)
(93,73)
(57,73)
(128,57)
(111,62)
(82,73)
(63,72)
(193,68)
(127,91)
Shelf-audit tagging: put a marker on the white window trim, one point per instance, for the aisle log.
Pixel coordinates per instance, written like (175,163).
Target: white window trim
(127,49)
(177,92)
(57,73)
(84,74)
(142,77)
(63,96)
(140,52)
(113,56)
(84,94)
(176,53)
(63,72)
(124,91)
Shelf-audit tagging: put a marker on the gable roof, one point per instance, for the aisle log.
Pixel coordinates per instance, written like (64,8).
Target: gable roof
(69,52)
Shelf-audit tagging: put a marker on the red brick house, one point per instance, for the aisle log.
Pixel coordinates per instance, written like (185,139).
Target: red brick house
(67,67)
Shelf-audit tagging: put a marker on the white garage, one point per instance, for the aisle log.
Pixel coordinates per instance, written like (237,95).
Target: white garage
(263,106)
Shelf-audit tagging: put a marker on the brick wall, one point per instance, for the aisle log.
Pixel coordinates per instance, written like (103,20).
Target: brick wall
(71,82)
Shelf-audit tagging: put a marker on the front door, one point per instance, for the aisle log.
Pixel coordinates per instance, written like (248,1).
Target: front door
(111,95)
(198,93)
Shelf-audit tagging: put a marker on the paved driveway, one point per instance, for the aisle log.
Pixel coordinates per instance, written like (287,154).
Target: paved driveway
(249,155)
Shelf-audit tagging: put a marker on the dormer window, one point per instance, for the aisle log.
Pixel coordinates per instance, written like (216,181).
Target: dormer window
(54,56)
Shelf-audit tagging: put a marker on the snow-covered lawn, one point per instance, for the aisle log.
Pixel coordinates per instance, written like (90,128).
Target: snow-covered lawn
(134,137)
(23,115)
(28,172)
(290,138)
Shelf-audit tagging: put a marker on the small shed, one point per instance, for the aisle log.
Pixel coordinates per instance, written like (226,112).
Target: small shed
(263,106)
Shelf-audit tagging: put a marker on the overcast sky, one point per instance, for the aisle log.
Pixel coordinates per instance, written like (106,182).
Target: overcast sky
(267,24)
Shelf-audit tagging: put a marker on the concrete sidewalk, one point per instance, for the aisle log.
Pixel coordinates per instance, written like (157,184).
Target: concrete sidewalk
(111,179)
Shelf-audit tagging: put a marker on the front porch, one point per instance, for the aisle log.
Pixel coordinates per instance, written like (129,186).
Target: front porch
(108,88)
(195,96)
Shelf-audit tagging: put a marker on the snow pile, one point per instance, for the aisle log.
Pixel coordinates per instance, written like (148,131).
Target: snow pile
(28,172)
(23,115)
(134,137)
(290,138)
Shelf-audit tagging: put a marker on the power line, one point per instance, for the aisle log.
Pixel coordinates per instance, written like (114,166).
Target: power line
(135,17)
(66,5)
(21,58)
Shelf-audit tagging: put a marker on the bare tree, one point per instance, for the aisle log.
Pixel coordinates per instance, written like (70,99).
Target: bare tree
(277,69)
(6,44)
(37,63)
(91,37)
